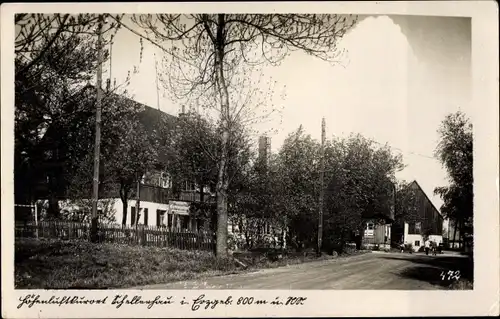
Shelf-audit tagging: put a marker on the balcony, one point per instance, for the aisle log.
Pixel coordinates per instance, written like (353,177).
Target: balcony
(162,195)
(194,196)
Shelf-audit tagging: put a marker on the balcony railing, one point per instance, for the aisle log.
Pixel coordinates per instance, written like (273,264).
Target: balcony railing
(157,194)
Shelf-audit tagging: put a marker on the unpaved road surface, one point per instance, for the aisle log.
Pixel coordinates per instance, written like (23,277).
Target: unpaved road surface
(367,271)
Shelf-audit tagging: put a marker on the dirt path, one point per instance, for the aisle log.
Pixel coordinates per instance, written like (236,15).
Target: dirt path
(368,271)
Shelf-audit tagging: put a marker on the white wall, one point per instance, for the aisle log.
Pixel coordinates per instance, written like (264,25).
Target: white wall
(117,207)
(412,238)
(150,206)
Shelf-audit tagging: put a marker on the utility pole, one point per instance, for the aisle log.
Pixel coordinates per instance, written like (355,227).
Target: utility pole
(97,146)
(321,187)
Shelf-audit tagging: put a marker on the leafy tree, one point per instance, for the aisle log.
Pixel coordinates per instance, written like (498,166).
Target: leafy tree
(80,210)
(455,150)
(55,58)
(298,187)
(359,186)
(194,147)
(254,203)
(134,153)
(207,53)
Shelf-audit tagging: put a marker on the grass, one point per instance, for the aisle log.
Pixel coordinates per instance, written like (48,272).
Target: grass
(54,264)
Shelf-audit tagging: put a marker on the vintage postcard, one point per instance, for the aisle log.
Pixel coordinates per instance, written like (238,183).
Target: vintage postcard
(249,159)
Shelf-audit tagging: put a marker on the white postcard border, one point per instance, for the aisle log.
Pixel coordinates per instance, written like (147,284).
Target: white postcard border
(483,300)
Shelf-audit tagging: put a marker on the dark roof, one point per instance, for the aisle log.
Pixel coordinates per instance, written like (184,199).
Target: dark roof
(151,117)
(154,121)
(427,198)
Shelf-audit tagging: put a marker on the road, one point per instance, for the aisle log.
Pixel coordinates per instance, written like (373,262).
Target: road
(368,271)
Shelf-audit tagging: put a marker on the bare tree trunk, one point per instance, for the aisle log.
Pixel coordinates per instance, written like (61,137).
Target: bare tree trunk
(97,146)
(221,247)
(54,210)
(124,198)
(222,181)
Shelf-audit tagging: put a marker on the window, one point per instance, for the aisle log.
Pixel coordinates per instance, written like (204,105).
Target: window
(417,243)
(145,216)
(165,181)
(189,186)
(418,227)
(370,226)
(160,215)
(184,222)
(132,215)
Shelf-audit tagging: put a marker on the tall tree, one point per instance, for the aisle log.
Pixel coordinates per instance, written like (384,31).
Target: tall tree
(194,146)
(360,186)
(136,142)
(298,187)
(455,150)
(207,53)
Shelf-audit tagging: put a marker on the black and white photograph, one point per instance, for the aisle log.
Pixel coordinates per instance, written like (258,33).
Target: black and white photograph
(190,150)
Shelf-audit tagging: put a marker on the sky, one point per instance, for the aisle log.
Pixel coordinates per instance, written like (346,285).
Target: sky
(399,77)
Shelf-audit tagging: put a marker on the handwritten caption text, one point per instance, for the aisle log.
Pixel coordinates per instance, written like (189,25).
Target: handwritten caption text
(202,302)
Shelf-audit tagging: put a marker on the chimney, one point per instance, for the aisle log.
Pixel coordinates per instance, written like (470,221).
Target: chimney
(183,111)
(264,148)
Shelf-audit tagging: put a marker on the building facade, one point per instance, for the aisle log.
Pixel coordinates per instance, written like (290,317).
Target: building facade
(430,224)
(377,233)
(379,218)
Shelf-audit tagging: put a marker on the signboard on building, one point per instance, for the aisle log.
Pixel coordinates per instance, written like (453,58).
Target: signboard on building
(179,208)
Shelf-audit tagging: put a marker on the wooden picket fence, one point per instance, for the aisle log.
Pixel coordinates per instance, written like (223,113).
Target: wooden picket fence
(112,233)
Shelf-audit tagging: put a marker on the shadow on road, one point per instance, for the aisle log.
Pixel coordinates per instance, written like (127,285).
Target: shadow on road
(431,269)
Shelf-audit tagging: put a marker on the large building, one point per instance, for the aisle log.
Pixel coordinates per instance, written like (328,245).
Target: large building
(161,204)
(430,224)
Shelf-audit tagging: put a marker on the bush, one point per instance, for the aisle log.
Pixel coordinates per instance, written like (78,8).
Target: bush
(349,250)
(409,247)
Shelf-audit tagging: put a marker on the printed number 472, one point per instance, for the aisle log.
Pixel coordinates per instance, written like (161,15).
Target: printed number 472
(450,275)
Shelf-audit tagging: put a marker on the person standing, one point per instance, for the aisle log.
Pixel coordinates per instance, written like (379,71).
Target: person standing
(427,247)
(433,248)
